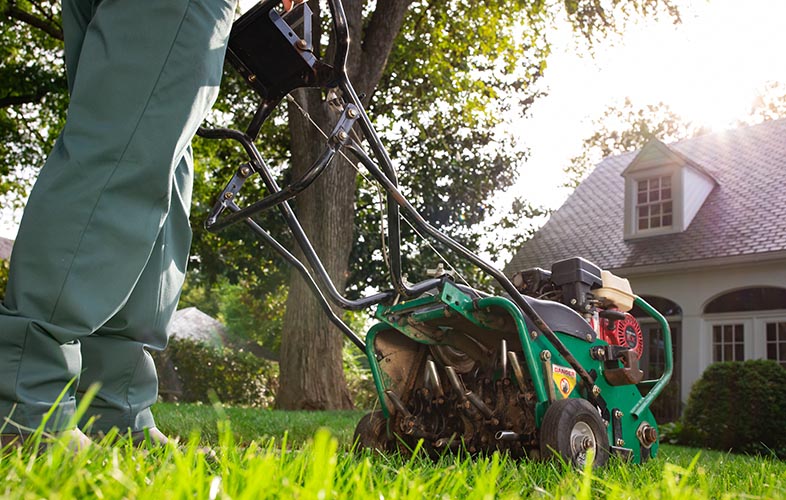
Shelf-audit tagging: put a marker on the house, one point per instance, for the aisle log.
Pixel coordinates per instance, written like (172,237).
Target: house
(5,248)
(699,229)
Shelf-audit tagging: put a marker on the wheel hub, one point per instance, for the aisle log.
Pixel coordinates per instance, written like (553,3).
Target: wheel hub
(582,439)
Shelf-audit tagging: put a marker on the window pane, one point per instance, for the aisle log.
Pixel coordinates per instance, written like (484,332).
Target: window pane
(728,354)
(770,332)
(655,222)
(654,195)
(718,354)
(739,353)
(644,211)
(643,185)
(642,198)
(667,220)
(667,207)
(716,334)
(666,194)
(738,333)
(665,182)
(727,334)
(655,210)
(772,351)
(748,299)
(644,224)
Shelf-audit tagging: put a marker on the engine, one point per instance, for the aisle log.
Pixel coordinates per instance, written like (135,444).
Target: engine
(600,297)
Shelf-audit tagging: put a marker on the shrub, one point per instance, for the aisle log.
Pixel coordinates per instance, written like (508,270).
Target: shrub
(360,383)
(236,377)
(738,406)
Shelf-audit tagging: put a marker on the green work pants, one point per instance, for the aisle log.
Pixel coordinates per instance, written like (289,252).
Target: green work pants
(101,253)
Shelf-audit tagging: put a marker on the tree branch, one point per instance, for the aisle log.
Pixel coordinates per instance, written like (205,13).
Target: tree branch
(378,39)
(14,100)
(47,27)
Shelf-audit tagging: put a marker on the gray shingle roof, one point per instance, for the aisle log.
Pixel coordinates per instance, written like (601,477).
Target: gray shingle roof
(5,248)
(744,215)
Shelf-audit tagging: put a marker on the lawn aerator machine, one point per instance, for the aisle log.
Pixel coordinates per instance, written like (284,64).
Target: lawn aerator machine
(549,369)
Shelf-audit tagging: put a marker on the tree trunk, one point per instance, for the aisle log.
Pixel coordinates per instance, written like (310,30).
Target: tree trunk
(312,375)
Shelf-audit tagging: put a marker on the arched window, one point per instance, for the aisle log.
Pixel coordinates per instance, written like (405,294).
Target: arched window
(760,298)
(663,305)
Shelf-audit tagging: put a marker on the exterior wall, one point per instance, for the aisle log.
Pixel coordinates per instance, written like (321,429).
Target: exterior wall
(692,290)
(696,187)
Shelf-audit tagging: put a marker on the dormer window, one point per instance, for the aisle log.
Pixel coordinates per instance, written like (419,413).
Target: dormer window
(654,206)
(664,190)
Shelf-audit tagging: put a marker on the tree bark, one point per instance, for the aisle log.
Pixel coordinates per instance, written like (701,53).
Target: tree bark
(311,369)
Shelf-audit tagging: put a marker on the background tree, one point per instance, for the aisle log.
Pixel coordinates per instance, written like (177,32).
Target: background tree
(628,127)
(32,93)
(437,73)
(770,104)
(448,64)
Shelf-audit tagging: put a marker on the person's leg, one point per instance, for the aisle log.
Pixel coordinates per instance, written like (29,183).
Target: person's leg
(148,72)
(76,15)
(115,356)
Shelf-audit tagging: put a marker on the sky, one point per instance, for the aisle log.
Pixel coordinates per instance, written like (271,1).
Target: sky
(707,69)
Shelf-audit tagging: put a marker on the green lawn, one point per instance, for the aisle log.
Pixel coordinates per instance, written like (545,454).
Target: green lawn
(254,460)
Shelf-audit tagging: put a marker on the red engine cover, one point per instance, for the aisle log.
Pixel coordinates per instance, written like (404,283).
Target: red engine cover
(623,332)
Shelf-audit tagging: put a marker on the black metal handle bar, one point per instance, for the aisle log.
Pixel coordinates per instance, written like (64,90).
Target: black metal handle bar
(257,164)
(385,175)
(336,139)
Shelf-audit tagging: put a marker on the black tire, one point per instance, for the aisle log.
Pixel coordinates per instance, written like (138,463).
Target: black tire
(570,428)
(372,432)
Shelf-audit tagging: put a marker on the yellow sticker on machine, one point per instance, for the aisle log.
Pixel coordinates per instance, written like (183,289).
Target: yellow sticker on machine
(564,379)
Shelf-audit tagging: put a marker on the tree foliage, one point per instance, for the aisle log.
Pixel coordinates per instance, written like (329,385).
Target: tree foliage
(439,74)
(769,104)
(33,92)
(627,128)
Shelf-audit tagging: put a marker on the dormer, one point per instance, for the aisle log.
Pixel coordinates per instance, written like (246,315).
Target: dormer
(664,190)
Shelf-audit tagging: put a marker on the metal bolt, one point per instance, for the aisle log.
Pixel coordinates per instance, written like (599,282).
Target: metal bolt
(596,390)
(245,171)
(342,136)
(573,301)
(647,434)
(588,337)
(620,442)
(587,443)
(545,355)
(228,195)
(301,44)
(352,112)
(617,414)
(252,78)
(601,352)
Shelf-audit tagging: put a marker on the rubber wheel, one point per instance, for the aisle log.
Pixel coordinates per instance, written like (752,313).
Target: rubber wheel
(371,432)
(570,428)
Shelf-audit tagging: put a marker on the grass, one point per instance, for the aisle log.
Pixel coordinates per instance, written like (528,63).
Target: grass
(272,454)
